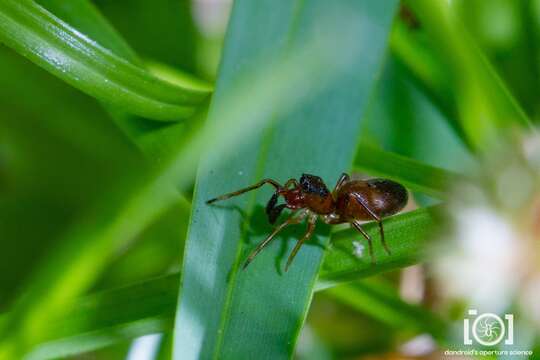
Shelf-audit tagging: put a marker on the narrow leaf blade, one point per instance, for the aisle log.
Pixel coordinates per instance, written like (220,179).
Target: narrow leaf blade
(52,44)
(411,173)
(407,237)
(227,313)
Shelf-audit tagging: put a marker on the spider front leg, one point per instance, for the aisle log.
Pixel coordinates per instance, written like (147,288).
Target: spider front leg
(272,182)
(290,182)
(293,219)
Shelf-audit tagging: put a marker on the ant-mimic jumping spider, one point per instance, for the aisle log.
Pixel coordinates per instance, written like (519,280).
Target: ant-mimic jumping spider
(351,201)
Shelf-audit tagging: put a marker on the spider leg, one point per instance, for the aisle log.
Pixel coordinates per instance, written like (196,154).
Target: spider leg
(376,218)
(358,227)
(290,221)
(290,182)
(309,232)
(342,180)
(244,190)
(383,241)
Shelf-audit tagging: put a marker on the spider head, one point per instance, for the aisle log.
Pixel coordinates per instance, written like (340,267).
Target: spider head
(315,194)
(313,186)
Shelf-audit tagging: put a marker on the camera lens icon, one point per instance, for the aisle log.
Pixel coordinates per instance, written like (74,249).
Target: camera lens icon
(488,329)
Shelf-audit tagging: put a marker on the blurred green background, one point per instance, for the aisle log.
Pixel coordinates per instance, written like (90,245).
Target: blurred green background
(66,159)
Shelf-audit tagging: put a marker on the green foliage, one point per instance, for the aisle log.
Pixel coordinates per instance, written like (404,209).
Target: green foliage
(413,174)
(111,316)
(96,196)
(148,307)
(60,49)
(379,300)
(405,237)
(482,99)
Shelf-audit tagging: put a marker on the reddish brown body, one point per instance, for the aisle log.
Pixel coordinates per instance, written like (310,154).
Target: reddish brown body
(382,197)
(350,201)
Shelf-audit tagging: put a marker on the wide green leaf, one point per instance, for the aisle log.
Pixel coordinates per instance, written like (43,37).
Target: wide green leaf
(228,313)
(54,45)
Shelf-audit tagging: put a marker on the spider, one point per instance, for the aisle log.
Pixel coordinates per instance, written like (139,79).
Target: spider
(351,201)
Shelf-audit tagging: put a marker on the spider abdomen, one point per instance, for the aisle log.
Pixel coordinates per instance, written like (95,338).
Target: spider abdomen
(382,197)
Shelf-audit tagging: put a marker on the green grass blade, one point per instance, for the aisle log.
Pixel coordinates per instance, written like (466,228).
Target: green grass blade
(86,247)
(411,173)
(80,256)
(52,44)
(406,237)
(86,336)
(87,19)
(84,16)
(220,306)
(175,39)
(375,162)
(111,316)
(426,70)
(108,317)
(409,45)
(381,302)
(157,142)
(485,106)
